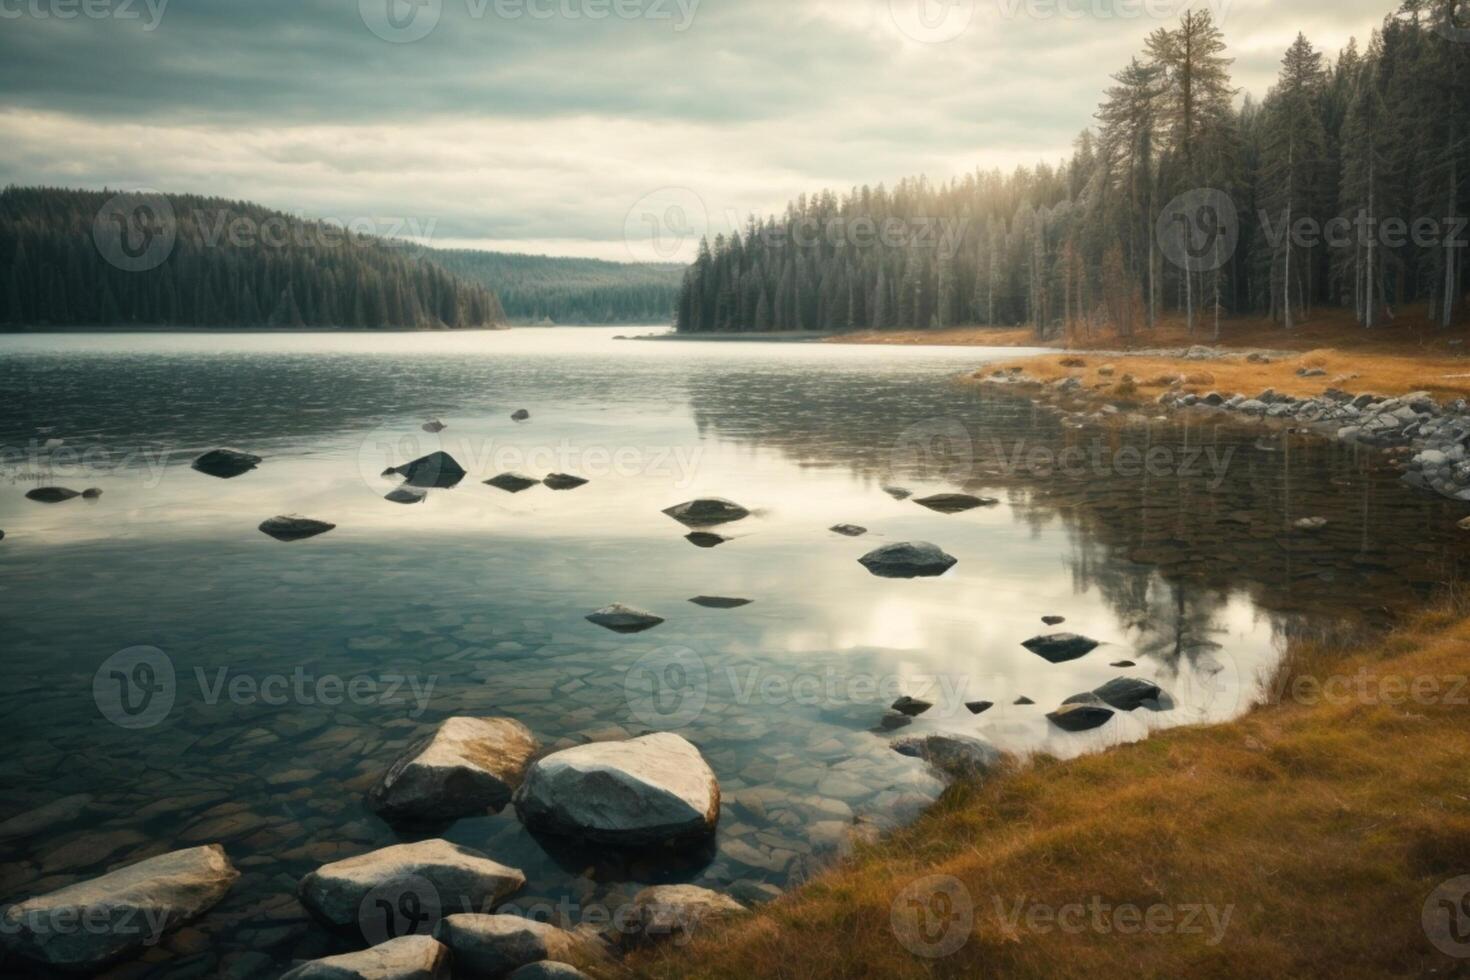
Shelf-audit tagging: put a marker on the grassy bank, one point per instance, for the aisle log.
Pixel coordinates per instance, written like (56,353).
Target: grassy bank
(1302,840)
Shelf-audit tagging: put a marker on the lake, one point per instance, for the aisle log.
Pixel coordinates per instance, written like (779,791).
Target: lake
(283,678)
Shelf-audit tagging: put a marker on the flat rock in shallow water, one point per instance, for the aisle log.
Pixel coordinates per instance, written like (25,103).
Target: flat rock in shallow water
(707,512)
(913,707)
(52,495)
(433,427)
(406,495)
(470,766)
(512,482)
(1023,701)
(123,910)
(850,530)
(958,755)
(404,958)
(439,471)
(335,892)
(1060,647)
(292,528)
(706,539)
(898,493)
(719,602)
(955,503)
(1080,717)
(1053,620)
(1123,664)
(520,415)
(650,790)
(564,481)
(979,707)
(910,559)
(494,945)
(1128,693)
(624,619)
(676,912)
(226,464)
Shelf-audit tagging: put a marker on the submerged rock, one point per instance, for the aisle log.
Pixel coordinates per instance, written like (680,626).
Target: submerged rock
(293,528)
(1080,717)
(226,464)
(959,755)
(707,511)
(435,471)
(494,945)
(676,912)
(469,766)
(564,481)
(404,958)
(406,495)
(719,602)
(1061,647)
(650,790)
(1128,693)
(979,707)
(335,892)
(911,559)
(512,482)
(955,503)
(706,539)
(520,415)
(1053,620)
(624,619)
(850,530)
(1023,701)
(52,495)
(913,707)
(1123,664)
(89,924)
(434,426)
(91,493)
(898,493)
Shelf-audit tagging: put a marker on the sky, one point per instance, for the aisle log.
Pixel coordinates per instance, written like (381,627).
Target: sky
(615,129)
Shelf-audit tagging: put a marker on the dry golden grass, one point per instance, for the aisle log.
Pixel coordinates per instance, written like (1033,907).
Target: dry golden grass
(1322,824)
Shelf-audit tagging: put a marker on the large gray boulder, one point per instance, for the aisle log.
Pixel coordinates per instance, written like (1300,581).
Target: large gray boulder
(1060,647)
(434,471)
(469,766)
(89,924)
(291,527)
(226,464)
(335,892)
(675,912)
(959,755)
(404,958)
(495,945)
(707,512)
(650,790)
(910,559)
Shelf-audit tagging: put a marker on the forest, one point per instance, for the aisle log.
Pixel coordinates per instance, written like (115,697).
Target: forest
(88,258)
(540,289)
(1345,186)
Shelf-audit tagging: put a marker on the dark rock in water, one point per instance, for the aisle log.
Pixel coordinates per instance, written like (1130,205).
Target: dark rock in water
(1060,647)
(893,720)
(624,619)
(87,925)
(226,463)
(979,707)
(707,512)
(2,535)
(1128,693)
(468,767)
(911,559)
(1086,697)
(512,482)
(955,503)
(1053,620)
(520,415)
(52,495)
(719,602)
(706,539)
(91,493)
(850,530)
(898,493)
(404,958)
(434,471)
(1023,700)
(1123,664)
(958,755)
(292,528)
(406,495)
(434,426)
(564,481)
(912,707)
(1080,717)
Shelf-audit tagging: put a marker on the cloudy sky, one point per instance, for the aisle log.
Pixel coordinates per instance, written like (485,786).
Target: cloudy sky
(607,128)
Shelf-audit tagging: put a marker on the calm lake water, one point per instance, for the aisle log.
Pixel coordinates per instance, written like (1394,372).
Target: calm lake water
(292,674)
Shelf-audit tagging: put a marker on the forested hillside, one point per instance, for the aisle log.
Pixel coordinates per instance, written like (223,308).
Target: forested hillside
(85,258)
(1179,199)
(533,288)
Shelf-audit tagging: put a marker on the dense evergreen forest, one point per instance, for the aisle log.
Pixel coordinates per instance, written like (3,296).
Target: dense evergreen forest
(1346,186)
(82,258)
(537,288)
